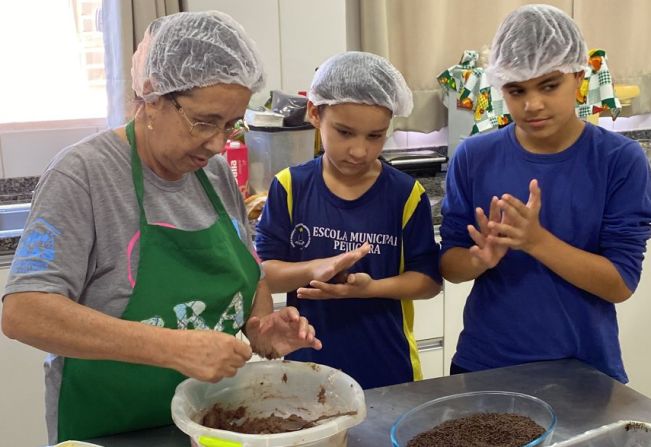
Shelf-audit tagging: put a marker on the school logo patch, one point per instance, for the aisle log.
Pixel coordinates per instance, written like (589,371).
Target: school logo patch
(300,237)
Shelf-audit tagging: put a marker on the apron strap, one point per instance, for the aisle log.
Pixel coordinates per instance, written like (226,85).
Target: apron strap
(136,171)
(212,194)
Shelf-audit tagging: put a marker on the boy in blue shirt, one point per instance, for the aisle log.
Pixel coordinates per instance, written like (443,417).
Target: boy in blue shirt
(348,236)
(568,211)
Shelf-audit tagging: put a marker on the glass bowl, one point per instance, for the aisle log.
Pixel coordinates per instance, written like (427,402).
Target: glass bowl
(435,412)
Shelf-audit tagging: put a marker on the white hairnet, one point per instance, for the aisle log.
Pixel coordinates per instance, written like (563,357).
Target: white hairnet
(362,78)
(535,40)
(139,58)
(198,49)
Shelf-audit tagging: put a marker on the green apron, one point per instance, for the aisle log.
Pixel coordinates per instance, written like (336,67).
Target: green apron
(204,279)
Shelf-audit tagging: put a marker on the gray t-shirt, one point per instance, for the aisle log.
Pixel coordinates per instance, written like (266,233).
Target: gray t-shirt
(81,238)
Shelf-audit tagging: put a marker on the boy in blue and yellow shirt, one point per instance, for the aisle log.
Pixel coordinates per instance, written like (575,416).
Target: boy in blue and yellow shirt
(349,237)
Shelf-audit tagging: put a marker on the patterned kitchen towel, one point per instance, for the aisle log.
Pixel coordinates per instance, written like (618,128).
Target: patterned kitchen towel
(597,93)
(474,93)
(470,85)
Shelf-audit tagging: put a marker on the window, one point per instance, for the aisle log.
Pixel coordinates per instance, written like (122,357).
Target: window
(52,61)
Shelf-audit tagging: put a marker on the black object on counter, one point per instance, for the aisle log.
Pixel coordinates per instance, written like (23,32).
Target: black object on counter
(417,161)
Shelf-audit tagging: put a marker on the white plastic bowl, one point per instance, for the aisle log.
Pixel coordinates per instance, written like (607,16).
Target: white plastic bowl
(76,444)
(281,387)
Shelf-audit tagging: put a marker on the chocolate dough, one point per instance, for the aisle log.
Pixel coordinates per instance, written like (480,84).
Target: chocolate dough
(236,420)
(481,430)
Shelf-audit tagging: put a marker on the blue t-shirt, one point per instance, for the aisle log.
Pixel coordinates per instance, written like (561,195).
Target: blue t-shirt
(371,339)
(596,196)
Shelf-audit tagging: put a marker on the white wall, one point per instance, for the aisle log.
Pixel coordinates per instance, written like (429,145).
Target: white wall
(624,124)
(294,36)
(261,21)
(27,153)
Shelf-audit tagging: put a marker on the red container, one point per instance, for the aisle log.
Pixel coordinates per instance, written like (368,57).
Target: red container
(238,159)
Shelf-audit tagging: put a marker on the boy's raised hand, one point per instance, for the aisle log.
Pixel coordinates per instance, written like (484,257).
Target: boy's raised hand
(522,229)
(485,251)
(325,269)
(356,285)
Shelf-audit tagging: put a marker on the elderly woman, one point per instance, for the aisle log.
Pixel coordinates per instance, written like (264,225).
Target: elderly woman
(140,232)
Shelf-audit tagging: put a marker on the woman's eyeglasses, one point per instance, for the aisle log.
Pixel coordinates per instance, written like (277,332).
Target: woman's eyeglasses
(201,129)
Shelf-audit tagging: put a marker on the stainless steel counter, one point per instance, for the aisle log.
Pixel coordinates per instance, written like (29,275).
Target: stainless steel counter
(581,396)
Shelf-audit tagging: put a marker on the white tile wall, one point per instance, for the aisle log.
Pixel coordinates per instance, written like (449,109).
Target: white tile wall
(304,44)
(404,140)
(623,124)
(435,138)
(397,140)
(27,153)
(260,19)
(294,36)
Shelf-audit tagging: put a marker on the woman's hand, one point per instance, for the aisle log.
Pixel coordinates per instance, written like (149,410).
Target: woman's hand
(325,269)
(521,227)
(279,333)
(486,252)
(208,355)
(356,285)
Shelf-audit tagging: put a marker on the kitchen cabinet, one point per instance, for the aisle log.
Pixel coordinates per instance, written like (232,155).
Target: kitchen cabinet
(431,360)
(428,332)
(455,299)
(428,318)
(633,316)
(22,406)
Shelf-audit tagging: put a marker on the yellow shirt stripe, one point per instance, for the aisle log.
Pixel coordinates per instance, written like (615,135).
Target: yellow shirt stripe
(285,179)
(408,304)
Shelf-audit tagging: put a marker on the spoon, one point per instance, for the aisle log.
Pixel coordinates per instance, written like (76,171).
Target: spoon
(300,424)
